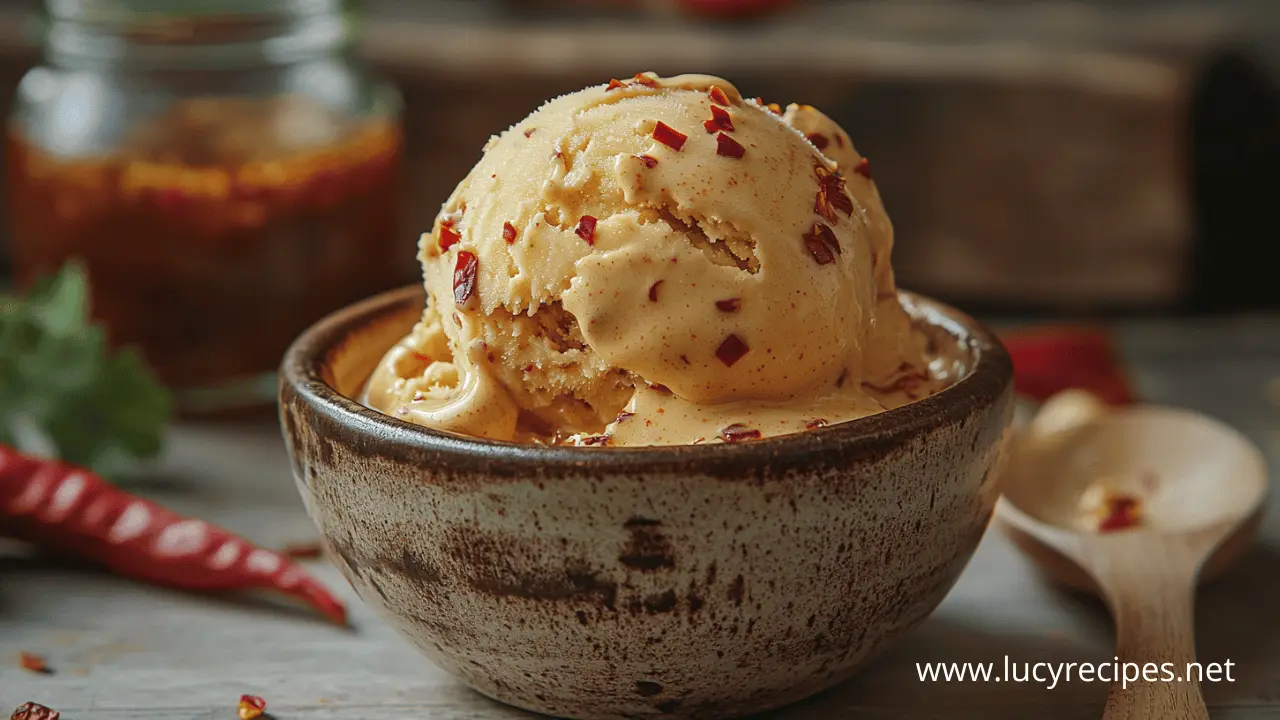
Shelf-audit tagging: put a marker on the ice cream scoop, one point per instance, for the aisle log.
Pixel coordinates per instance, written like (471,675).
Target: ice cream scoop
(658,261)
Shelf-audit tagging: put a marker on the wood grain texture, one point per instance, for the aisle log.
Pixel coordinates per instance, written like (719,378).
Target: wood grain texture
(1151,590)
(126,652)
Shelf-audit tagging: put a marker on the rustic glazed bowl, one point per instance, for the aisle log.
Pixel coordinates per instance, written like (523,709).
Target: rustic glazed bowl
(702,581)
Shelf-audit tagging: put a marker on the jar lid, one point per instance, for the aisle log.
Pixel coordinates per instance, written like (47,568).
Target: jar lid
(133,11)
(206,32)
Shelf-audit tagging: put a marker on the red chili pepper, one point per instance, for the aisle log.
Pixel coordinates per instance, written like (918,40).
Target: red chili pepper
(1049,360)
(60,506)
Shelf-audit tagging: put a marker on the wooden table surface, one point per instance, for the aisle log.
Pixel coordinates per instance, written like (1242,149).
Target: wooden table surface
(123,650)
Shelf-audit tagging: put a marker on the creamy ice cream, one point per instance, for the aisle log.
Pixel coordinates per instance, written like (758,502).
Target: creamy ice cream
(658,261)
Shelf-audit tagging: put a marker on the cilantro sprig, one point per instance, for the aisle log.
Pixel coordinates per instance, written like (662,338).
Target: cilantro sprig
(64,393)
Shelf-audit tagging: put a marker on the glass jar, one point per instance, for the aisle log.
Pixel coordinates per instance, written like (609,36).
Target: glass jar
(226,170)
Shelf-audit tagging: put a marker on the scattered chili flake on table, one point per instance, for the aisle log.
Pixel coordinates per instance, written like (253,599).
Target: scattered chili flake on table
(729,306)
(251,706)
(863,168)
(731,350)
(648,160)
(718,96)
(464,277)
(653,291)
(669,136)
(34,663)
(34,711)
(720,120)
(728,147)
(509,233)
(587,229)
(738,432)
(62,507)
(819,140)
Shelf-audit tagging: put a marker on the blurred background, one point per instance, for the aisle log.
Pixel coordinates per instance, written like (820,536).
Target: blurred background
(230,170)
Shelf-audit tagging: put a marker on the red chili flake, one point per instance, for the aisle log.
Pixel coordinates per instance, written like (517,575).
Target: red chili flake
(819,249)
(728,147)
(1122,513)
(464,277)
(660,388)
(731,350)
(529,367)
(303,551)
(251,706)
(645,80)
(625,416)
(730,306)
(648,160)
(738,432)
(839,140)
(448,238)
(819,140)
(720,120)
(34,663)
(863,168)
(587,229)
(615,84)
(34,711)
(685,359)
(825,235)
(669,136)
(594,440)
(529,133)
(653,291)
(718,96)
(422,358)
(509,233)
(831,194)
(815,424)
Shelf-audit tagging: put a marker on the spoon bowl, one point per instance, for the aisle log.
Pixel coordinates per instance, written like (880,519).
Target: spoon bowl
(1190,492)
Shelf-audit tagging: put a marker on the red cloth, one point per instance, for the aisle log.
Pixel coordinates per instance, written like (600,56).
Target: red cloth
(1047,360)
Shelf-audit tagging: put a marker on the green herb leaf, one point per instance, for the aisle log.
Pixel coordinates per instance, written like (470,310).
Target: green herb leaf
(63,392)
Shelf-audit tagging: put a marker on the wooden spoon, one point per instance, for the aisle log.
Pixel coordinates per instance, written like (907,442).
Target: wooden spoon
(1197,488)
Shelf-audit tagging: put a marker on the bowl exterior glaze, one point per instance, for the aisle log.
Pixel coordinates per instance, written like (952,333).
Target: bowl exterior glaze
(708,581)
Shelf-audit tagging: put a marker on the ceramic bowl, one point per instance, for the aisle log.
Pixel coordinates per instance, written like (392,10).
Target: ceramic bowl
(702,581)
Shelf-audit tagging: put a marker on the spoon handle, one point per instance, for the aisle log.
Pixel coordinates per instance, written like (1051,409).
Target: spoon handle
(1151,591)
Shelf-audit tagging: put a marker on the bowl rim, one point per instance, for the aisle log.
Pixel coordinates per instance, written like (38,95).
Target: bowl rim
(302,384)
